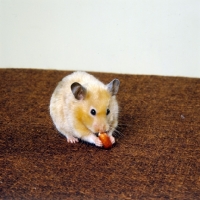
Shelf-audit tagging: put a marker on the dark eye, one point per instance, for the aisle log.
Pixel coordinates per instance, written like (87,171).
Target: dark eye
(107,112)
(93,112)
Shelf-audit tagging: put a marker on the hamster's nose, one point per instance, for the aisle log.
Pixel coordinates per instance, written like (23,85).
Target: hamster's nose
(101,128)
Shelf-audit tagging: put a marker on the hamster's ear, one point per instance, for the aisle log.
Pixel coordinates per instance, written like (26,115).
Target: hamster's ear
(113,86)
(78,91)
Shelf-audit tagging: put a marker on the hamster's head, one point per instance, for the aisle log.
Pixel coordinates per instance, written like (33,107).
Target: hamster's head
(96,106)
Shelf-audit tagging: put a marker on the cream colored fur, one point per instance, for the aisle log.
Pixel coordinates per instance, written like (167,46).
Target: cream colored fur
(72,117)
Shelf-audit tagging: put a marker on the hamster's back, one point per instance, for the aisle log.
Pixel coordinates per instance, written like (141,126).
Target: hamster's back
(83,78)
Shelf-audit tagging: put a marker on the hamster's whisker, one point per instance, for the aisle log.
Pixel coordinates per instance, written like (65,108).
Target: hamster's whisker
(120,125)
(117,131)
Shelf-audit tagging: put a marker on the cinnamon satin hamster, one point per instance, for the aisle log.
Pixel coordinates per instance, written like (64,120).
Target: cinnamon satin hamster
(81,106)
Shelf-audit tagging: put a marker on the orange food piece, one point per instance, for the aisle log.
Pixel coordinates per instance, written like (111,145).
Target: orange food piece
(105,140)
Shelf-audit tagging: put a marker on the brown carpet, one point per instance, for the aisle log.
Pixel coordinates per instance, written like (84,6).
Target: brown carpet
(157,154)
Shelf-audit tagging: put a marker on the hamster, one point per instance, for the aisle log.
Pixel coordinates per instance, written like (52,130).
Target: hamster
(81,106)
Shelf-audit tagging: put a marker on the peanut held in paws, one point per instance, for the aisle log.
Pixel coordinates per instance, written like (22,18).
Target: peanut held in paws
(105,140)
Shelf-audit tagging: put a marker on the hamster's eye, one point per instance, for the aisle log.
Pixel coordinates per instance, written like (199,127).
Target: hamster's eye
(107,112)
(93,112)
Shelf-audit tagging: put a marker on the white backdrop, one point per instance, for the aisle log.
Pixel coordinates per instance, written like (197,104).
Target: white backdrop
(122,36)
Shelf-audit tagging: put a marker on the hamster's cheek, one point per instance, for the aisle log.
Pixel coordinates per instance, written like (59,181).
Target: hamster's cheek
(88,120)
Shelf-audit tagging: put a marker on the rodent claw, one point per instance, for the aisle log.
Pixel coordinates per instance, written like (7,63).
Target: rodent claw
(98,142)
(72,139)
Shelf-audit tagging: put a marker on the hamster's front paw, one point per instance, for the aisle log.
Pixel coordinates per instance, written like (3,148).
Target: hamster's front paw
(71,139)
(98,142)
(112,139)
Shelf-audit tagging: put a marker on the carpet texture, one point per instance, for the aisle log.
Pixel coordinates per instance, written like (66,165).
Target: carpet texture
(156,156)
